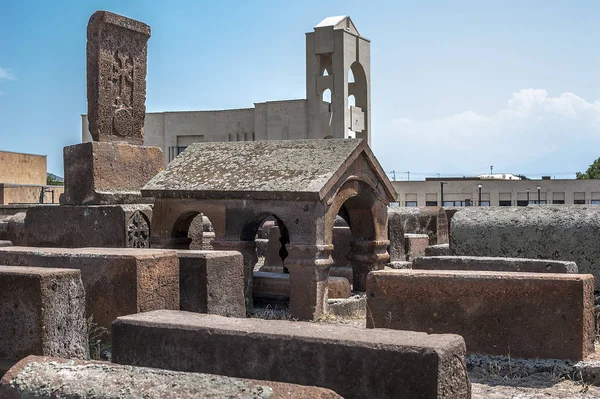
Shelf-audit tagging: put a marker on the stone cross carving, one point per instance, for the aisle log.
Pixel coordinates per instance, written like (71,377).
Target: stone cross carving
(117,49)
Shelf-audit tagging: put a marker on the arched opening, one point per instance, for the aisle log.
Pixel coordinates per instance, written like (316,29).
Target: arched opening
(352,232)
(326,96)
(357,90)
(193,230)
(270,277)
(201,232)
(351,101)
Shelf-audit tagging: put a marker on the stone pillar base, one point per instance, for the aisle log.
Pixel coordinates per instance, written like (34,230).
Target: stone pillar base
(99,173)
(309,268)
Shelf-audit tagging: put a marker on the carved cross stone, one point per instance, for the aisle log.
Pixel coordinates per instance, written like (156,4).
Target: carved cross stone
(117,50)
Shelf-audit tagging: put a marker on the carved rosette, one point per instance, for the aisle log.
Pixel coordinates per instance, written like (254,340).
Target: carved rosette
(138,231)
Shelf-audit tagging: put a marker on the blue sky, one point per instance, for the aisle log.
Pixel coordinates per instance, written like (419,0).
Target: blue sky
(457,86)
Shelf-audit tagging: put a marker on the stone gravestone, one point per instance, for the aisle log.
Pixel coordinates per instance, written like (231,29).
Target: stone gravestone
(103,178)
(117,49)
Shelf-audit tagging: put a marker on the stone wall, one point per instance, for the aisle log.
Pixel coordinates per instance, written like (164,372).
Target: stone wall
(22,168)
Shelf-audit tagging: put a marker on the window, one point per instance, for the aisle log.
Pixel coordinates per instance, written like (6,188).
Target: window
(430,203)
(411,204)
(579,202)
(595,202)
(522,202)
(484,203)
(561,202)
(394,205)
(466,202)
(505,203)
(536,202)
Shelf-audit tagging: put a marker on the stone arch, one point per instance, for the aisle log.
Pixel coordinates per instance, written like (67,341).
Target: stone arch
(251,228)
(356,203)
(180,231)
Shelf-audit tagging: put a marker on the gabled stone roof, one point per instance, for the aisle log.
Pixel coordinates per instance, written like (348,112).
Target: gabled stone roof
(284,169)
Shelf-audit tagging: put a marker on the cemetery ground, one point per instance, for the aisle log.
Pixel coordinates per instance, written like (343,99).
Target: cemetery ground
(500,377)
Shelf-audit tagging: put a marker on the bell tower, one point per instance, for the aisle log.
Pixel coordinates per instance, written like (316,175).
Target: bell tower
(338,81)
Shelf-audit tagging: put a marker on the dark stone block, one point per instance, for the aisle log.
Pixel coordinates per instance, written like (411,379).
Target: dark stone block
(41,313)
(524,315)
(356,363)
(109,173)
(117,281)
(70,226)
(212,282)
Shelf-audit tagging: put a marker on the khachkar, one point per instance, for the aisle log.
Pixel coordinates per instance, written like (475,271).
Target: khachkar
(102,205)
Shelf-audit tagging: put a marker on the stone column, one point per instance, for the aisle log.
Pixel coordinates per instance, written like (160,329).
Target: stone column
(248,251)
(366,256)
(309,268)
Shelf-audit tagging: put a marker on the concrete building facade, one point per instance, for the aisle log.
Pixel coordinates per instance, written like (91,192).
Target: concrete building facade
(337,104)
(23,179)
(476,191)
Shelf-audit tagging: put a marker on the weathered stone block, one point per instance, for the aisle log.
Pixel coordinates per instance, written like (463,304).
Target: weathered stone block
(99,173)
(560,232)
(277,286)
(117,52)
(527,315)
(4,243)
(494,264)
(15,229)
(438,250)
(117,281)
(338,287)
(356,363)
(71,226)
(76,379)
(415,245)
(212,282)
(41,313)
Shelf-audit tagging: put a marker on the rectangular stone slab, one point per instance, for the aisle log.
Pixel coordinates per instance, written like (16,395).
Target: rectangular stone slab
(525,315)
(212,282)
(117,281)
(76,226)
(485,263)
(41,313)
(354,362)
(415,245)
(98,173)
(78,378)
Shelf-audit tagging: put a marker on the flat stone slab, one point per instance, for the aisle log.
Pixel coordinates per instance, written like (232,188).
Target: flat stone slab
(5,243)
(43,377)
(356,363)
(524,315)
(42,312)
(104,173)
(117,281)
(212,282)
(494,264)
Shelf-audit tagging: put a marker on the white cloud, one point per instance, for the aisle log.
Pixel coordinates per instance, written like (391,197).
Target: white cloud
(7,74)
(534,133)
